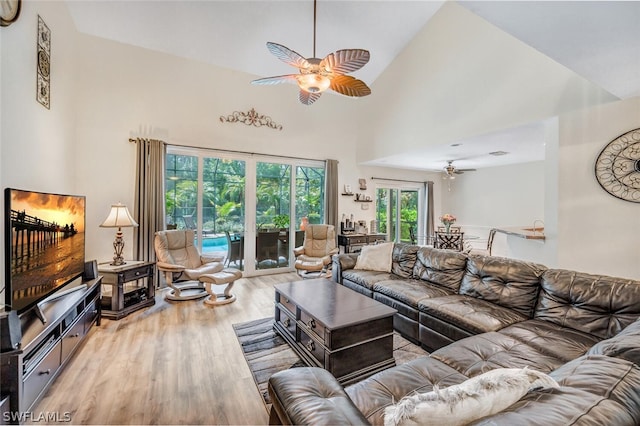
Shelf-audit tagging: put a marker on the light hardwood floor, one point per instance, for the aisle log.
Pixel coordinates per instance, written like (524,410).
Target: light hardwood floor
(172,363)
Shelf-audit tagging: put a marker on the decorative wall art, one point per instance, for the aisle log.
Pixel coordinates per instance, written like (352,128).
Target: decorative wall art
(43,94)
(250,118)
(618,167)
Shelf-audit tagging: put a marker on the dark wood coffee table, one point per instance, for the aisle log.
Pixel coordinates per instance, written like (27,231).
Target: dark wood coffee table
(336,328)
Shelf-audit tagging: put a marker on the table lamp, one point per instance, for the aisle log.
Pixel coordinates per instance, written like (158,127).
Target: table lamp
(119,217)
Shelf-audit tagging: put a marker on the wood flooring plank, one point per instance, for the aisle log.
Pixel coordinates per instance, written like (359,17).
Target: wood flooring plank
(171,363)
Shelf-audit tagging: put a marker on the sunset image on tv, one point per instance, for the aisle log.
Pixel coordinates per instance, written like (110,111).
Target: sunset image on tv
(46,243)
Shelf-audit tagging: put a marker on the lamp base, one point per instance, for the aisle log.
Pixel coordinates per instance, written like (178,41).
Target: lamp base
(118,246)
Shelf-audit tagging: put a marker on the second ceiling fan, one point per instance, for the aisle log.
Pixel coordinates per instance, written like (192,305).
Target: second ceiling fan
(450,171)
(317,75)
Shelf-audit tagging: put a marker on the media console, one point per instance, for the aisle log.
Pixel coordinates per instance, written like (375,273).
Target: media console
(46,347)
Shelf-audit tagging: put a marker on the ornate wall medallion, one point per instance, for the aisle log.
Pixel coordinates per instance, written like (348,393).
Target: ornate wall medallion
(618,167)
(43,94)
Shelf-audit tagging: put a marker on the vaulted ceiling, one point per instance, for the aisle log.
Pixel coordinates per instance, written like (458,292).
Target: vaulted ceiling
(598,40)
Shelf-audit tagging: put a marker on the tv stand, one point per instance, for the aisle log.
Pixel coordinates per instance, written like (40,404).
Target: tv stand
(46,347)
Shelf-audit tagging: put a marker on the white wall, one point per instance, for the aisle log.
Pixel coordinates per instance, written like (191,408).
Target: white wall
(37,145)
(598,233)
(125,91)
(461,77)
(499,197)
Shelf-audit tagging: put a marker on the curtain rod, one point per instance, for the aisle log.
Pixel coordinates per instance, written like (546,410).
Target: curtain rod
(400,180)
(231,151)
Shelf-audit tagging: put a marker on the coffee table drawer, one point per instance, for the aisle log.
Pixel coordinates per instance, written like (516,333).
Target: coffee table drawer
(288,304)
(314,348)
(313,325)
(287,322)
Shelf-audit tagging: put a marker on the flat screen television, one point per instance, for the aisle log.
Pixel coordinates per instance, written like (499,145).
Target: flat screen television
(44,245)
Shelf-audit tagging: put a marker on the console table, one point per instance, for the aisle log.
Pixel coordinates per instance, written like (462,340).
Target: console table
(46,347)
(335,328)
(353,243)
(131,285)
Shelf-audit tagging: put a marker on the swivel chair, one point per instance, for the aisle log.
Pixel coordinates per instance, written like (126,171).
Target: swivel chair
(180,261)
(314,256)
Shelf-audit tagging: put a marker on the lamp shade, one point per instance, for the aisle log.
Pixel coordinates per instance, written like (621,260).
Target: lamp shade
(119,217)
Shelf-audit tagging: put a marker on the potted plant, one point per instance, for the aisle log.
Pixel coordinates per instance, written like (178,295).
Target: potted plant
(281,221)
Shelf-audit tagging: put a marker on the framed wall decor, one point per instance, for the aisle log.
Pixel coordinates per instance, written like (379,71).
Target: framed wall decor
(43,83)
(618,167)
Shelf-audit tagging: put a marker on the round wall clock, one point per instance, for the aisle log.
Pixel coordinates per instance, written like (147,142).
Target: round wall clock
(9,11)
(618,167)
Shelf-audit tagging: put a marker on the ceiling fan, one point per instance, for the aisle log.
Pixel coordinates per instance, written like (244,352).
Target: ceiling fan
(450,171)
(317,75)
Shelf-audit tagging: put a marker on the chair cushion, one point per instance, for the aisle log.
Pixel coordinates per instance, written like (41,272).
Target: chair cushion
(176,247)
(207,268)
(319,240)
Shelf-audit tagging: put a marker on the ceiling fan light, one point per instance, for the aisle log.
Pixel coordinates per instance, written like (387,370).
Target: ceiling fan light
(313,83)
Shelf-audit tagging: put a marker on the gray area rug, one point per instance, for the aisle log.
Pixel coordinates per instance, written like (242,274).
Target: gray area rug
(267,353)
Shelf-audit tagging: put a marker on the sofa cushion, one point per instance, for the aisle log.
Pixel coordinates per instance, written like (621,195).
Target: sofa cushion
(403,259)
(478,354)
(594,390)
(375,257)
(625,345)
(410,291)
(506,282)
(477,397)
(468,313)
(366,279)
(442,267)
(594,304)
(560,342)
(374,394)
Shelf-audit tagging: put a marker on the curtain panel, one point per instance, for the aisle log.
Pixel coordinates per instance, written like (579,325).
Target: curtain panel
(149,208)
(430,230)
(331,193)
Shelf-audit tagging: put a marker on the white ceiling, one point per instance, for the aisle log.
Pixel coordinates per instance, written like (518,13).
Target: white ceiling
(599,40)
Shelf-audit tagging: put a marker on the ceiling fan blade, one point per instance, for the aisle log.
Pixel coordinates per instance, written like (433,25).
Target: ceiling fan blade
(308,98)
(349,86)
(288,56)
(290,78)
(345,61)
(460,171)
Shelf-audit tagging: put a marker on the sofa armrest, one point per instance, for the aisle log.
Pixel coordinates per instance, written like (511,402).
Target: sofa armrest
(342,262)
(311,396)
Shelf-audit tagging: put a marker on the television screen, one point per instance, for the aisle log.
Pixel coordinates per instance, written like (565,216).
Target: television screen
(44,249)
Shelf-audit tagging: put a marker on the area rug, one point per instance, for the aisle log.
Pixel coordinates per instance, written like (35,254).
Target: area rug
(267,353)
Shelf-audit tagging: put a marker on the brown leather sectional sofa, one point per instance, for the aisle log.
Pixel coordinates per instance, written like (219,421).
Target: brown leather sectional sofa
(480,313)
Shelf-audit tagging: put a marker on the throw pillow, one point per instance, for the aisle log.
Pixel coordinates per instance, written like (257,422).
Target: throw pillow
(480,396)
(375,257)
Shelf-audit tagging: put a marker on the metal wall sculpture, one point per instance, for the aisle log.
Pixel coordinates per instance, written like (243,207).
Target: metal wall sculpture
(250,118)
(618,167)
(43,94)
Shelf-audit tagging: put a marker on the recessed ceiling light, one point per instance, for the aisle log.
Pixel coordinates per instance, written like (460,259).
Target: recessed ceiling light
(498,153)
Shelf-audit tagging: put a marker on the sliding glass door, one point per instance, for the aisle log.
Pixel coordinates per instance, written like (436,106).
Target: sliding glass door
(240,206)
(397,213)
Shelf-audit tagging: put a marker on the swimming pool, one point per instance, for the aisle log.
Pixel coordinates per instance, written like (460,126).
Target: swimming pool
(218,243)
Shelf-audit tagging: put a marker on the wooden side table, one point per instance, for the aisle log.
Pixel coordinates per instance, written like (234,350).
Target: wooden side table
(131,285)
